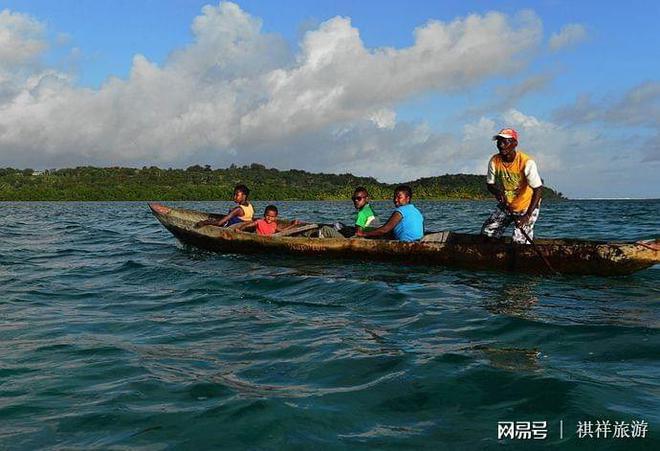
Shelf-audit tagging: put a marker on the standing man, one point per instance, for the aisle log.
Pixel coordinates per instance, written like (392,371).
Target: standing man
(515,182)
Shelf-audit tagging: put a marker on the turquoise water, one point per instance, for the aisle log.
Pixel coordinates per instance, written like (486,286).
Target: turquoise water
(114,336)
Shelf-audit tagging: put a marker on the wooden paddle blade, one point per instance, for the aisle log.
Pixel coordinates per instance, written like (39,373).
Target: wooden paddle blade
(294,230)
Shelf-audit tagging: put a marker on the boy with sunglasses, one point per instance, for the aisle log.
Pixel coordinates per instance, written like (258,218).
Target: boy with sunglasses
(515,182)
(365,220)
(405,224)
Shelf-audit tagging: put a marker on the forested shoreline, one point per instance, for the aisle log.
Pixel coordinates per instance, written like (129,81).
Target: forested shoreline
(205,183)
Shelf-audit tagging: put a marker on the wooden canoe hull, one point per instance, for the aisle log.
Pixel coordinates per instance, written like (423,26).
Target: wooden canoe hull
(454,250)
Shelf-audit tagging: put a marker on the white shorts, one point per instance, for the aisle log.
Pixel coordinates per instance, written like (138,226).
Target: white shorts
(499,220)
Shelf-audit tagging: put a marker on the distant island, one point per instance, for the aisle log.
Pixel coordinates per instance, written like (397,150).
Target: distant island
(204,183)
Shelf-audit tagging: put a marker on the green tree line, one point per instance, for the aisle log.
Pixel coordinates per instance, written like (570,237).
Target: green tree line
(89,183)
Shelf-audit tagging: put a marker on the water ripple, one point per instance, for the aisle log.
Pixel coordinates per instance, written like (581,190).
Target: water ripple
(116,337)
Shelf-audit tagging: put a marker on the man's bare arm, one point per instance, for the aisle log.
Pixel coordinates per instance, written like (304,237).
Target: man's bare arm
(384,229)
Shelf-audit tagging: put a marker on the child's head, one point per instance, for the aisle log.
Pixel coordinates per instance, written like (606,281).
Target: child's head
(360,197)
(270,213)
(402,195)
(241,193)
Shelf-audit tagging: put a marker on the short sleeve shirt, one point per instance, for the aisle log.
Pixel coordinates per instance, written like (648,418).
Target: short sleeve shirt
(411,226)
(516,179)
(366,218)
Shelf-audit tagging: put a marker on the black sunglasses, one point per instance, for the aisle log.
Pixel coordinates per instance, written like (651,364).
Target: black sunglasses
(358,197)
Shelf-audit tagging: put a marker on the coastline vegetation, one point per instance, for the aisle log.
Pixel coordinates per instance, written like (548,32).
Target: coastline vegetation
(204,183)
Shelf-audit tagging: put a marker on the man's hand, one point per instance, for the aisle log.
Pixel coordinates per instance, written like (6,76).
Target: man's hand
(501,198)
(505,207)
(359,232)
(523,220)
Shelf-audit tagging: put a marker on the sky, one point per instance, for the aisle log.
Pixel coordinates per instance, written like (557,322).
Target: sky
(388,89)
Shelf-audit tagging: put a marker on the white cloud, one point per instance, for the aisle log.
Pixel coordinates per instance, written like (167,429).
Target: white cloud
(569,35)
(579,161)
(238,95)
(639,106)
(638,110)
(21,39)
(235,89)
(21,44)
(338,79)
(384,118)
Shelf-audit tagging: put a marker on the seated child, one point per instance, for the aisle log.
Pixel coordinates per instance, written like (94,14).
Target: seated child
(268,225)
(406,222)
(241,213)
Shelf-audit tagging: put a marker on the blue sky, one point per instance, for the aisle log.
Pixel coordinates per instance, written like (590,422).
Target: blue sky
(581,81)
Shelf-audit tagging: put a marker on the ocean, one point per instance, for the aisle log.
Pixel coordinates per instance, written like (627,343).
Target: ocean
(115,336)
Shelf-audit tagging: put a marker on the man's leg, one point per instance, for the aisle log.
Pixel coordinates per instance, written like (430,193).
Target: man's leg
(496,223)
(348,231)
(329,232)
(518,237)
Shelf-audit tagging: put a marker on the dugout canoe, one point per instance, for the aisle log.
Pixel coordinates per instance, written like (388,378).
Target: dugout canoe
(567,256)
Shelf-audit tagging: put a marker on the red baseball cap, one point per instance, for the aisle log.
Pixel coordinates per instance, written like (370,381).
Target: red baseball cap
(507,133)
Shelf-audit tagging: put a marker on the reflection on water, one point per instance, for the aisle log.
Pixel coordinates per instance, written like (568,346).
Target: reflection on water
(515,297)
(512,359)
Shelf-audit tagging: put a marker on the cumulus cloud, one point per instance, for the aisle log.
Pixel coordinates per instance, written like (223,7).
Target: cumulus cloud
(235,90)
(21,39)
(338,79)
(577,160)
(384,118)
(638,108)
(21,45)
(568,36)
(238,95)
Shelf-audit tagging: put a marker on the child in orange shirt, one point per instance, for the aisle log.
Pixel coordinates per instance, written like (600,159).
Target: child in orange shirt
(268,225)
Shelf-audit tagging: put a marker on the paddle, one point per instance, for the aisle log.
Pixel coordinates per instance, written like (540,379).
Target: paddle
(299,229)
(535,247)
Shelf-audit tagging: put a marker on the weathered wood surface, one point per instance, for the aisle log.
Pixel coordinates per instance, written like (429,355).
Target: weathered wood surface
(443,249)
(294,230)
